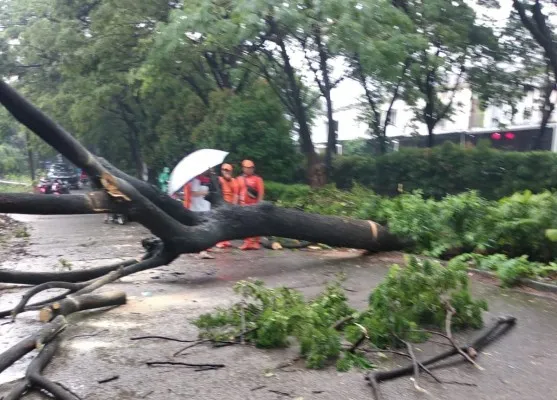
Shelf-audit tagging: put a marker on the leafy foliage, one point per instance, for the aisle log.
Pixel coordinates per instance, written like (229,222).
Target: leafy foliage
(456,224)
(508,270)
(410,298)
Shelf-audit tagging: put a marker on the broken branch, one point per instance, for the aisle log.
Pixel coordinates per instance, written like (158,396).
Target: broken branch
(35,379)
(450,312)
(35,341)
(500,327)
(81,303)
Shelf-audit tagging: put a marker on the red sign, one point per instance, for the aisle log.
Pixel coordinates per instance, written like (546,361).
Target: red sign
(496,136)
(509,135)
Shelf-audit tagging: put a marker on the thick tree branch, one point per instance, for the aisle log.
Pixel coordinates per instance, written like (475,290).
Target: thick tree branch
(539,30)
(35,341)
(500,327)
(36,278)
(35,379)
(82,302)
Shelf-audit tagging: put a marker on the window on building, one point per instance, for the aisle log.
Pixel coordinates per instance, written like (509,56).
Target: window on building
(527,114)
(392,117)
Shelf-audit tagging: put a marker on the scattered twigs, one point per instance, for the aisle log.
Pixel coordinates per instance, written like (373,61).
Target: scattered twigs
(340,323)
(499,328)
(235,340)
(360,340)
(285,394)
(416,366)
(110,379)
(163,338)
(400,353)
(450,312)
(199,367)
(81,303)
(35,341)
(197,343)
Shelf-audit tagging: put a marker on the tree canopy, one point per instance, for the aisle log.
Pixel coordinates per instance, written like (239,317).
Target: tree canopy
(144,83)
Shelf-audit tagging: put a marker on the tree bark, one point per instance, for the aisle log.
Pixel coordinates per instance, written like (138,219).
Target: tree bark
(84,302)
(538,27)
(30,156)
(547,108)
(300,113)
(37,340)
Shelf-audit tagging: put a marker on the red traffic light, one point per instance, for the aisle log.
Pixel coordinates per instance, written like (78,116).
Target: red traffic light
(496,136)
(509,135)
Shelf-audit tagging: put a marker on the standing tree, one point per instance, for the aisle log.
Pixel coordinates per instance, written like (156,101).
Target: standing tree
(456,42)
(379,55)
(84,56)
(533,18)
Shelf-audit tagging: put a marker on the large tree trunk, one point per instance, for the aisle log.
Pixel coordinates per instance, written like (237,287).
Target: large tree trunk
(547,110)
(331,136)
(30,160)
(300,113)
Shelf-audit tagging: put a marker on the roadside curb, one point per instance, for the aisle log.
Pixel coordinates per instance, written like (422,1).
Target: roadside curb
(541,286)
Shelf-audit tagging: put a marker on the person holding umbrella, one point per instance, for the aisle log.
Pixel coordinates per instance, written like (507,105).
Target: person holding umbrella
(194,199)
(252,191)
(230,193)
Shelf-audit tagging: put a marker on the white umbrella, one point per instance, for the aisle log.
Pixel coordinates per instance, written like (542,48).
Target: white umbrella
(193,165)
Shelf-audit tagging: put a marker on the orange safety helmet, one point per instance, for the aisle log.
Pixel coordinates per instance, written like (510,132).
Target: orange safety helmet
(226,167)
(248,164)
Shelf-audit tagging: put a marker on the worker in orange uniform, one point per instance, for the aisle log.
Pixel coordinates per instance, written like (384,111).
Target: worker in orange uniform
(230,192)
(252,191)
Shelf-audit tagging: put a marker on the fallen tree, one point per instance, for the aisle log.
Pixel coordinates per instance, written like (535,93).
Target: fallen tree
(176,230)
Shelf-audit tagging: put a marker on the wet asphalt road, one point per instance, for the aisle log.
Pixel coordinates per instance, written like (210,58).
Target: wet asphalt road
(97,345)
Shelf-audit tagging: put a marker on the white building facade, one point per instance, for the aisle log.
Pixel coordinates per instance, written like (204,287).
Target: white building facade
(467,115)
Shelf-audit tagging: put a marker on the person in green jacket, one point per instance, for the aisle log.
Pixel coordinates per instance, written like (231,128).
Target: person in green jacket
(164,176)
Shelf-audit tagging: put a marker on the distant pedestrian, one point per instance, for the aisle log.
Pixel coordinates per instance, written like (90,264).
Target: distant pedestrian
(163,179)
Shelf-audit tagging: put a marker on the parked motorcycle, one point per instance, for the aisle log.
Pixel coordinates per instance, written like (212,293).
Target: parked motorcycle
(84,178)
(52,186)
(44,186)
(60,187)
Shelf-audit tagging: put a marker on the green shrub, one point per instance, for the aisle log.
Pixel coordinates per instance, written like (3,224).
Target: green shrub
(509,270)
(450,169)
(288,194)
(517,225)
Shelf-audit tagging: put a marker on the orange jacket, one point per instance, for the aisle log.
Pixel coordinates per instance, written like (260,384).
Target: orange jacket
(187,195)
(255,182)
(230,190)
